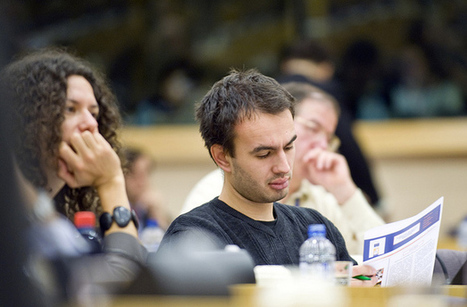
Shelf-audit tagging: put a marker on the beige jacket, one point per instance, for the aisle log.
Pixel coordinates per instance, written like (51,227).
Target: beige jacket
(352,218)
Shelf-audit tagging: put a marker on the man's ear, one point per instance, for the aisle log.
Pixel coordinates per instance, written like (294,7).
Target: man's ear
(222,159)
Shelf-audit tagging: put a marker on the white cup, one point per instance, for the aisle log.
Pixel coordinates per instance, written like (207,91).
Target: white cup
(343,272)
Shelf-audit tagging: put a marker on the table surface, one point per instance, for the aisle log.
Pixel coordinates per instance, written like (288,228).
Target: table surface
(246,295)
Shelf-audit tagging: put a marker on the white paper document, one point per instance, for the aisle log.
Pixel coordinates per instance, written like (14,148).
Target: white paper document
(403,252)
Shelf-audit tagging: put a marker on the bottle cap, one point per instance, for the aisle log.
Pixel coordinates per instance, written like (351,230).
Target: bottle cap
(152,223)
(85,219)
(316,229)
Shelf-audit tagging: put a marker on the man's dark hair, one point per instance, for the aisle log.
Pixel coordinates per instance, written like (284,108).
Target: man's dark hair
(307,50)
(238,96)
(132,154)
(36,85)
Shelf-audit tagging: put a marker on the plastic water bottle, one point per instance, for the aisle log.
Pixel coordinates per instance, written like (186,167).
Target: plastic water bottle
(462,234)
(317,255)
(85,222)
(151,235)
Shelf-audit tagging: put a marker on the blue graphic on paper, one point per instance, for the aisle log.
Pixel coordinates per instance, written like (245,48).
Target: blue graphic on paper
(381,245)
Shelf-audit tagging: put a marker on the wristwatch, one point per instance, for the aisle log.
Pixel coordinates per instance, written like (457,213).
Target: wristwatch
(121,215)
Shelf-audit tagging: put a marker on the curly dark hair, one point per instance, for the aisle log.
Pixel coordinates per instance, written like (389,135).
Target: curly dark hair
(239,95)
(36,85)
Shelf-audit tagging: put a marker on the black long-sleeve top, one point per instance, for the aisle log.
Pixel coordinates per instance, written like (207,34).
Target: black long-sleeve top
(269,243)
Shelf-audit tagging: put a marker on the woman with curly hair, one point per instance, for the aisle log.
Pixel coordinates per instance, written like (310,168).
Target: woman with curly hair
(42,82)
(66,119)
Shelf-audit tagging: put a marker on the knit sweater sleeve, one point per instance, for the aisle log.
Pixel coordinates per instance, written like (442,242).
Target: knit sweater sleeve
(199,225)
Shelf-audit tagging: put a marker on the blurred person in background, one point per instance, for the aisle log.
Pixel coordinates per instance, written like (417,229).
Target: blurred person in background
(310,61)
(146,201)
(178,89)
(359,73)
(422,90)
(328,188)
(443,41)
(422,80)
(363,80)
(17,288)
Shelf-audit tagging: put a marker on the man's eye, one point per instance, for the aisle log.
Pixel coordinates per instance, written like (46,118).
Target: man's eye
(314,129)
(289,147)
(263,156)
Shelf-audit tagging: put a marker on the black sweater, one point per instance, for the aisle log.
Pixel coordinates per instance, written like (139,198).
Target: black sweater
(269,243)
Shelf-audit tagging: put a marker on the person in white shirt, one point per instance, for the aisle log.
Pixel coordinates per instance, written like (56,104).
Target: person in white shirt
(321,178)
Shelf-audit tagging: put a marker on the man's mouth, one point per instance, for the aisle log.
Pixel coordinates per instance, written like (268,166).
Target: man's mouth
(280,183)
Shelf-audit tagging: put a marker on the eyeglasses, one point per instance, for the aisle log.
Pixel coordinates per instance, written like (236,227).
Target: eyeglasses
(317,129)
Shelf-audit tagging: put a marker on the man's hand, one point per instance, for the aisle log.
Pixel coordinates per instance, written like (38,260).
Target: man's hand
(330,170)
(88,160)
(364,270)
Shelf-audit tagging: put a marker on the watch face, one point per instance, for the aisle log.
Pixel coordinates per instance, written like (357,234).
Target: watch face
(122,216)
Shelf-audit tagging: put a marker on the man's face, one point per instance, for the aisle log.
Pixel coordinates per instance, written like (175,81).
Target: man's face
(264,155)
(315,124)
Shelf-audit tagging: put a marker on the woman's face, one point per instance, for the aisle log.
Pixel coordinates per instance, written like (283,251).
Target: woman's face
(81,108)
(81,111)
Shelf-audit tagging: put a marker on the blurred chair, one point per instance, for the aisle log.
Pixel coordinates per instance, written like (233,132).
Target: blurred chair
(450,266)
(194,267)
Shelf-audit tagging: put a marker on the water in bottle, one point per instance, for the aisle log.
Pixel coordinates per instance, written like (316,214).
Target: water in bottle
(151,235)
(85,222)
(317,255)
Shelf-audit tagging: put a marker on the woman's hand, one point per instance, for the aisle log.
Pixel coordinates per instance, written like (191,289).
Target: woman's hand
(88,160)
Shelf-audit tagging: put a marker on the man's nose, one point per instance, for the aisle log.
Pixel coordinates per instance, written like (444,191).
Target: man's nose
(322,141)
(282,165)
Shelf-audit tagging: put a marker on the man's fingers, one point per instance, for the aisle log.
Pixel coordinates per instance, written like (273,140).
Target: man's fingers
(363,270)
(366,271)
(329,162)
(324,160)
(312,155)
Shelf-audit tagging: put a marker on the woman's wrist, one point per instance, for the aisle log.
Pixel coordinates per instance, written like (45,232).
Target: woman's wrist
(112,195)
